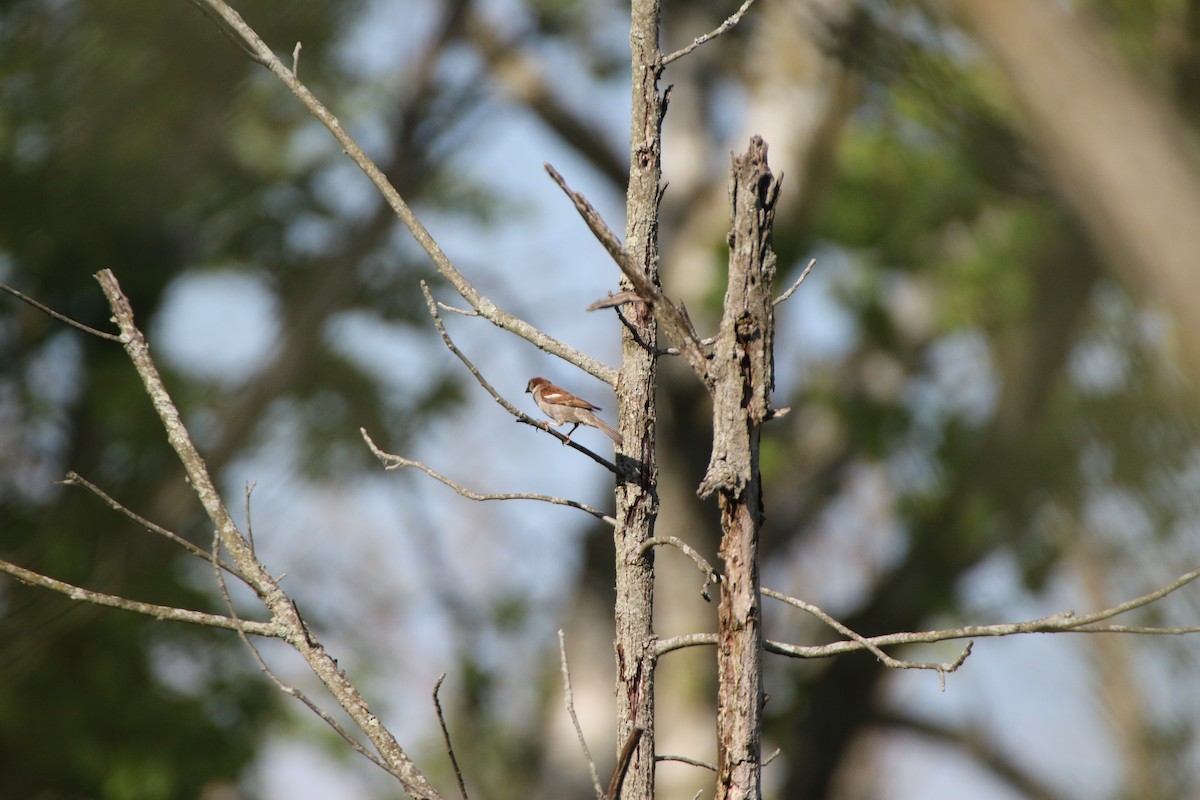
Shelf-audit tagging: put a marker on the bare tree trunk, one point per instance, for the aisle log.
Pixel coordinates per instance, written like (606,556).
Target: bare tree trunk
(742,371)
(637,499)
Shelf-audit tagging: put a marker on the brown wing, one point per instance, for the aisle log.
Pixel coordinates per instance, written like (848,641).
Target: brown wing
(560,396)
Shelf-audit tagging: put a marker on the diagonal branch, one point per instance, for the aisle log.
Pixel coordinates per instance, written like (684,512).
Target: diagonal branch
(673,319)
(233,24)
(112,337)
(285,616)
(149,609)
(791,290)
(725,26)
(356,745)
(509,407)
(75,479)
(392,461)
(591,218)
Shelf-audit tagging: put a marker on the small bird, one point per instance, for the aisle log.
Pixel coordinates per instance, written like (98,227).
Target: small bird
(562,407)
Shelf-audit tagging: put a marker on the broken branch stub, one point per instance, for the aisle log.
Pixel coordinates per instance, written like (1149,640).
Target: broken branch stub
(742,369)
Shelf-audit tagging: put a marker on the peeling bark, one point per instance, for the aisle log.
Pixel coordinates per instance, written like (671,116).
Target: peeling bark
(742,377)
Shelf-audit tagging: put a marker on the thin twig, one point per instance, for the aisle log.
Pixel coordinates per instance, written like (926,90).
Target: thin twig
(685,760)
(269,629)
(791,290)
(710,574)
(509,407)
(1062,622)
(636,335)
(75,479)
(887,660)
(465,312)
(392,461)
(620,298)
(618,776)
(569,699)
(249,525)
(112,337)
(437,704)
(262,665)
(664,646)
(733,19)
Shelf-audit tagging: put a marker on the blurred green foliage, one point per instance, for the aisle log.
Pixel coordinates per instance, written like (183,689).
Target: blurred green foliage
(138,137)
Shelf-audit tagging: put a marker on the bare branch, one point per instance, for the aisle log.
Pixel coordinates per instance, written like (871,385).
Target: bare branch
(887,660)
(591,218)
(75,479)
(685,760)
(791,290)
(733,19)
(392,461)
(620,298)
(249,525)
(664,646)
(284,614)
(618,776)
(1062,622)
(710,574)
(112,337)
(669,315)
(463,311)
(509,407)
(259,51)
(283,687)
(569,699)
(171,613)
(437,704)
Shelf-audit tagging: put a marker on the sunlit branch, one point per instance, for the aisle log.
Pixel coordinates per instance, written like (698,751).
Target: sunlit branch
(521,416)
(233,24)
(392,461)
(732,20)
(148,609)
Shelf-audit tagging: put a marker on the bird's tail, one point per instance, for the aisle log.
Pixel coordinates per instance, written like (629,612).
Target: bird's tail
(612,434)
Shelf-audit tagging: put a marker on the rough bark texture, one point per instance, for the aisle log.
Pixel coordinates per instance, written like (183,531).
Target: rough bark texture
(637,499)
(742,372)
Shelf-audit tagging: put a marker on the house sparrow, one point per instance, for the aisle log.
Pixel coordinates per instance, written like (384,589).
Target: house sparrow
(562,407)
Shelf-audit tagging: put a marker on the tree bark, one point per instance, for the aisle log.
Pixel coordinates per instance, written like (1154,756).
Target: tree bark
(742,374)
(637,498)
